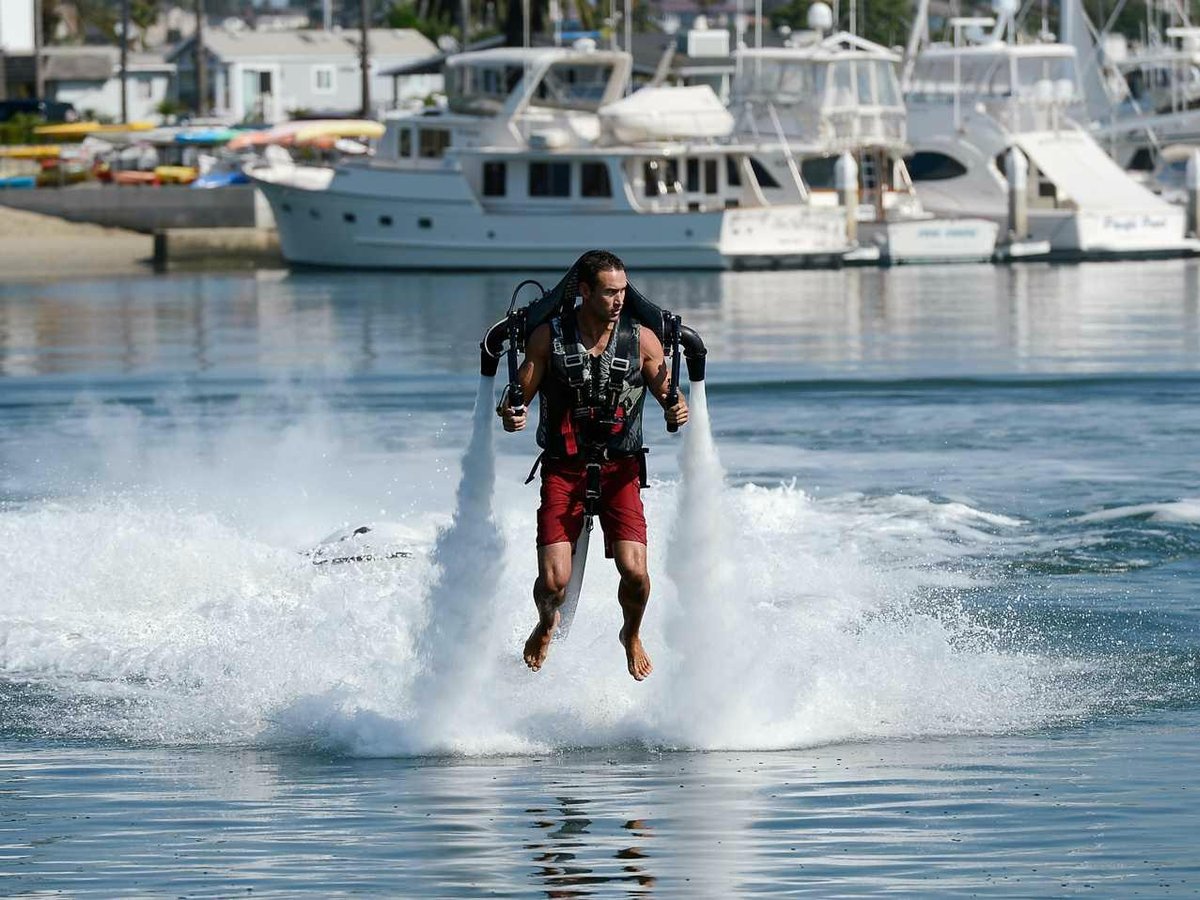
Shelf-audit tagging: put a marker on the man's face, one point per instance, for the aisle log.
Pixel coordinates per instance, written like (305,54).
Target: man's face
(608,296)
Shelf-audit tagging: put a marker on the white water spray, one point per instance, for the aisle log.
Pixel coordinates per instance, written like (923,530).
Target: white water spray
(456,645)
(705,628)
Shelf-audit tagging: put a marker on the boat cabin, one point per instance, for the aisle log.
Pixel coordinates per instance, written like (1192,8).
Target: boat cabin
(1027,87)
(831,95)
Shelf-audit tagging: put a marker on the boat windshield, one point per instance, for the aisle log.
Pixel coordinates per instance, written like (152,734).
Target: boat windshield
(1056,69)
(573,85)
(784,81)
(481,88)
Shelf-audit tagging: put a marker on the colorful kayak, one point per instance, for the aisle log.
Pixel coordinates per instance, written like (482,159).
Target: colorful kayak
(176,174)
(79,130)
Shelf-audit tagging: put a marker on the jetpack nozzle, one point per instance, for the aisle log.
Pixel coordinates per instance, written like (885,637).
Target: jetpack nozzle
(491,348)
(694,352)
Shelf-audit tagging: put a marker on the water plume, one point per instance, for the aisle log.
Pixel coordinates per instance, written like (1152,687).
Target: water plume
(704,630)
(455,645)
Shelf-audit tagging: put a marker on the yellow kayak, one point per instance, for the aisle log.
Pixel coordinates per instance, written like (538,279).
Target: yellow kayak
(338,128)
(80,130)
(30,151)
(176,174)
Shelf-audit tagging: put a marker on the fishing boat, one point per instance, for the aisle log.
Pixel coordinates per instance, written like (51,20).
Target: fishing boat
(834,101)
(987,105)
(536,153)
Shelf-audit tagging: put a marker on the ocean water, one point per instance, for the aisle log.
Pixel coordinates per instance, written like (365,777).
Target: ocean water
(924,616)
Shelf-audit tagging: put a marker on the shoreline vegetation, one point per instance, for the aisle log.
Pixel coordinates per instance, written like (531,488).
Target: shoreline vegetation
(34,247)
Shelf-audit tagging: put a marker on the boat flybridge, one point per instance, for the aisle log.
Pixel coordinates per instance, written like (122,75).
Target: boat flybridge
(537,153)
(986,105)
(1157,100)
(834,104)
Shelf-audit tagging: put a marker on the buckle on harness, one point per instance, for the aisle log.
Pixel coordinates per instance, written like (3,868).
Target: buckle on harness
(591,489)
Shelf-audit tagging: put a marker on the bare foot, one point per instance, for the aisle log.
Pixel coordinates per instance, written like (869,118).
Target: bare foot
(636,656)
(538,645)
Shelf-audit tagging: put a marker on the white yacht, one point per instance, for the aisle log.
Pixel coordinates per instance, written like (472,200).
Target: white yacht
(972,103)
(536,154)
(838,97)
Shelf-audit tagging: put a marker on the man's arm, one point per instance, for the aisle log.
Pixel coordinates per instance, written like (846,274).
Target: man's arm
(533,368)
(657,376)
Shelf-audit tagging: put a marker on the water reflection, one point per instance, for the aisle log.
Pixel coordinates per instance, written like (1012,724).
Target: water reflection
(927,319)
(561,857)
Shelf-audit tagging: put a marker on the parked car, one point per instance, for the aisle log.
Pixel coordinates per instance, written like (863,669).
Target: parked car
(50,110)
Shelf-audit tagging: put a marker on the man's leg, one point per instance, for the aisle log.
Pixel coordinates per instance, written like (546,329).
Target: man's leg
(549,591)
(633,595)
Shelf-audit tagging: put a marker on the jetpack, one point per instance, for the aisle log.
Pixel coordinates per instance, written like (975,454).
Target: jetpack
(507,339)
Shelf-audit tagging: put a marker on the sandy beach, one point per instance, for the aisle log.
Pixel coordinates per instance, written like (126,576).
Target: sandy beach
(34,247)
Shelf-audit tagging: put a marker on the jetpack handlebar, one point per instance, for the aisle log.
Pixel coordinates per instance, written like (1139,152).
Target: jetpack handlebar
(672,326)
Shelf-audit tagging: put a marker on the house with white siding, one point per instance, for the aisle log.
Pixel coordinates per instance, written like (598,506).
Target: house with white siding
(90,78)
(268,76)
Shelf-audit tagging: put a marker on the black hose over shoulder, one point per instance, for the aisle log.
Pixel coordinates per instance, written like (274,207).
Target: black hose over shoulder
(694,352)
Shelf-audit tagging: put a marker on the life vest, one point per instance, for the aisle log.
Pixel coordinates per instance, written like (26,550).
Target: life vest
(592,405)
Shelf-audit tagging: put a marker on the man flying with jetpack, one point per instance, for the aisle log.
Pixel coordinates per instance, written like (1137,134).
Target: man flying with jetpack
(591,368)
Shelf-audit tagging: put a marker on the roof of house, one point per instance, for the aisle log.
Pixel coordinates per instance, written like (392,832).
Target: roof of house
(95,63)
(310,42)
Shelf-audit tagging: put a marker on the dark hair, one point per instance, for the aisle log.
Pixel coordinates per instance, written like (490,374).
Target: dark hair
(594,262)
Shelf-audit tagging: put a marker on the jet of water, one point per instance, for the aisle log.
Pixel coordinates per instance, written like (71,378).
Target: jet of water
(455,644)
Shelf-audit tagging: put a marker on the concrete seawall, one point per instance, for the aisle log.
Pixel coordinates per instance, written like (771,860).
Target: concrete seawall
(142,209)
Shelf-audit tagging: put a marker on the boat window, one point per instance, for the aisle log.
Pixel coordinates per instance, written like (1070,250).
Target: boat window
(933,76)
(733,172)
(817,172)
(886,84)
(433,142)
(549,179)
(495,178)
(661,176)
(843,83)
(710,176)
(481,88)
(866,96)
(405,149)
(929,166)
(594,180)
(765,179)
(693,176)
(1032,69)
(578,86)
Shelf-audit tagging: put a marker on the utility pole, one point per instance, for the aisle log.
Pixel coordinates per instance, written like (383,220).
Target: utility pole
(364,59)
(39,81)
(201,63)
(124,62)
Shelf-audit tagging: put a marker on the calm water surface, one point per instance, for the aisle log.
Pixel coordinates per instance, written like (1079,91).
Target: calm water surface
(950,643)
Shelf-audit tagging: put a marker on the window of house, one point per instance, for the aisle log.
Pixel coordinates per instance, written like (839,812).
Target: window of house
(495,179)
(323,79)
(594,180)
(432,142)
(549,179)
(145,88)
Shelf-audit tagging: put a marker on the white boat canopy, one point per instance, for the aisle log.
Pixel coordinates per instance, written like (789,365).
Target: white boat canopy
(666,114)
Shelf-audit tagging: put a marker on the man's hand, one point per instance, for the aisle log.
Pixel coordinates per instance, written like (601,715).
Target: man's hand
(513,419)
(678,414)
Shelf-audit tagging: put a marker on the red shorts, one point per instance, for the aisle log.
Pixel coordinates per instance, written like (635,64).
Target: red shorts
(560,517)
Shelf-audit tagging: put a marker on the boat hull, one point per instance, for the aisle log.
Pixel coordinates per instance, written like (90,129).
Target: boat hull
(441,226)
